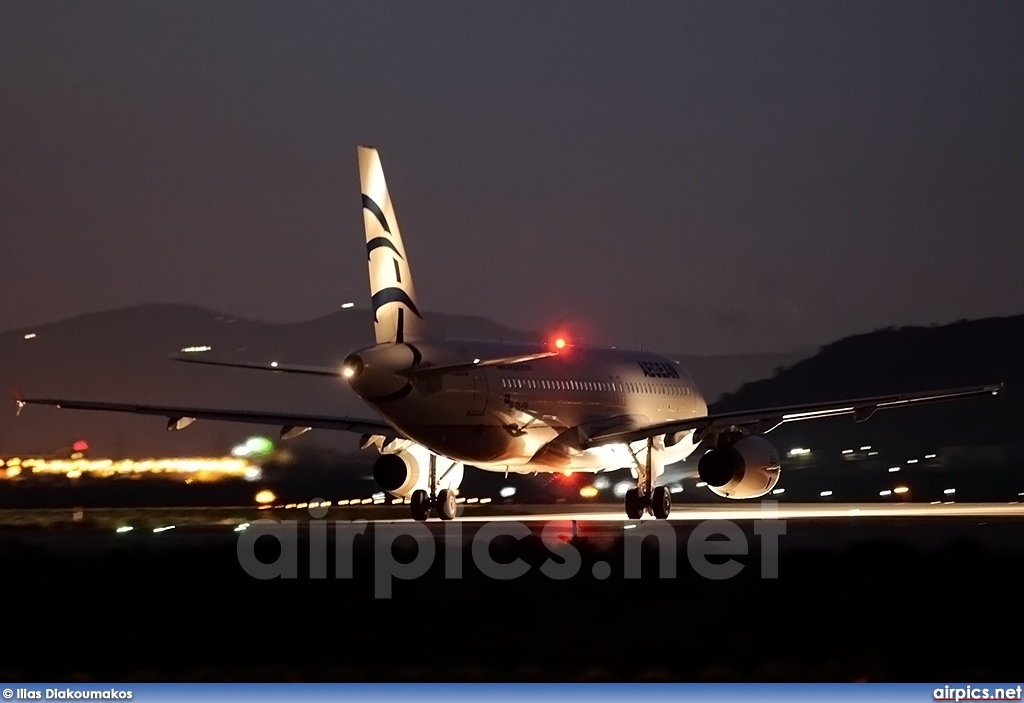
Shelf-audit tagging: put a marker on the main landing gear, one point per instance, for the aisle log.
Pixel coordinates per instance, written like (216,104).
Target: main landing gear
(646,496)
(443,501)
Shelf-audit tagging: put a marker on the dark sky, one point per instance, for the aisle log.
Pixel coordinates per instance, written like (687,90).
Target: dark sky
(709,177)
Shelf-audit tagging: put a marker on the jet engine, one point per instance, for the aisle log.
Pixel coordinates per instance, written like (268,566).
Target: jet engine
(746,468)
(398,473)
(402,472)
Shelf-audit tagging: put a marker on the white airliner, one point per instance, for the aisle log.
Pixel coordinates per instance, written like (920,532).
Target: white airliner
(519,408)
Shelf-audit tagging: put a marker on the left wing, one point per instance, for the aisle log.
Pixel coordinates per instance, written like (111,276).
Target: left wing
(767,419)
(179,417)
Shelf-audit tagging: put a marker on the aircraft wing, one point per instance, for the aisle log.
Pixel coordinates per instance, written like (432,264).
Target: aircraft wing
(179,417)
(767,419)
(263,365)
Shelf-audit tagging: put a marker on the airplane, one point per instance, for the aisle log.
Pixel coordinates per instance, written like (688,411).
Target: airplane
(525,408)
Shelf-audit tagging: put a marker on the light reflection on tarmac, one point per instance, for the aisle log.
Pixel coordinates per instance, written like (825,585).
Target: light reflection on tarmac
(767,510)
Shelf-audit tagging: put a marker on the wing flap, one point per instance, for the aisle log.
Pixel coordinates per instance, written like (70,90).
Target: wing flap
(768,419)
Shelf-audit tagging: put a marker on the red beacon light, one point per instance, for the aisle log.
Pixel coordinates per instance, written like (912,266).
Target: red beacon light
(80,446)
(560,343)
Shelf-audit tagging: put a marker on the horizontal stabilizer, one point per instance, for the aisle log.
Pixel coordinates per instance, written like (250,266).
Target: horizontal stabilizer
(426,371)
(263,365)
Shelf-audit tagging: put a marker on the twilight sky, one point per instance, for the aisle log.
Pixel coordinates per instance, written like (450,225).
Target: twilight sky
(708,177)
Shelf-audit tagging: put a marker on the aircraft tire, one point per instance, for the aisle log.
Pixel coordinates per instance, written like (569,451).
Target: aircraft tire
(420,504)
(446,504)
(634,504)
(661,502)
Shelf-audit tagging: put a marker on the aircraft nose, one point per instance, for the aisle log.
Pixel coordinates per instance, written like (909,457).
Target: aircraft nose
(352,366)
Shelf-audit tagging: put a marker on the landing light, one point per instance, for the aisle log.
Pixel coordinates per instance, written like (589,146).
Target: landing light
(348,372)
(825,494)
(507,492)
(949,491)
(900,489)
(273,364)
(126,528)
(588,492)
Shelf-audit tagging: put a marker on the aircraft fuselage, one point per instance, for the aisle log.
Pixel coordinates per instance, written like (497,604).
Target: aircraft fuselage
(526,416)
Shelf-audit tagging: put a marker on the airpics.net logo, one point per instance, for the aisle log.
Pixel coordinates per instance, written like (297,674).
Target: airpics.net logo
(710,549)
(978,693)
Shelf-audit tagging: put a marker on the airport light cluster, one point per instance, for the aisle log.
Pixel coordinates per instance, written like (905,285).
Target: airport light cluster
(254,446)
(202,470)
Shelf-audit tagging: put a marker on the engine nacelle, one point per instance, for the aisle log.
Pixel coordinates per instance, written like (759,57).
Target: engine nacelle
(398,473)
(746,468)
(402,472)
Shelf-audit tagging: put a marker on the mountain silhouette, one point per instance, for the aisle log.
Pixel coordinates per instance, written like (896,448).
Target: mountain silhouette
(122,355)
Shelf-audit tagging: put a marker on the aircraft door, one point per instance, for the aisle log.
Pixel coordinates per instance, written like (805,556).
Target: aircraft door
(620,391)
(478,403)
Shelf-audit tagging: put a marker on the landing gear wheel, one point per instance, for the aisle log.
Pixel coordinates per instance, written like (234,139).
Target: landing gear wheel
(634,504)
(420,503)
(446,504)
(661,503)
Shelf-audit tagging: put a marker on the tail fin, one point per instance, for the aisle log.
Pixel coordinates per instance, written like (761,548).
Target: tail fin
(396,313)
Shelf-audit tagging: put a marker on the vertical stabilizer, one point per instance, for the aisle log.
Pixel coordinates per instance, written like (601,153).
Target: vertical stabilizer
(396,312)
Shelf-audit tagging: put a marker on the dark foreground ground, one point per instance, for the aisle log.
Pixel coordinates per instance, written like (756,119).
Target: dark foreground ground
(929,600)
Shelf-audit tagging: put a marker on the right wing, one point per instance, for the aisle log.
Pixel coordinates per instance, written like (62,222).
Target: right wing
(767,419)
(179,417)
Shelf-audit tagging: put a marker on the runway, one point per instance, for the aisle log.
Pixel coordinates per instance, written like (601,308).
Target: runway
(186,517)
